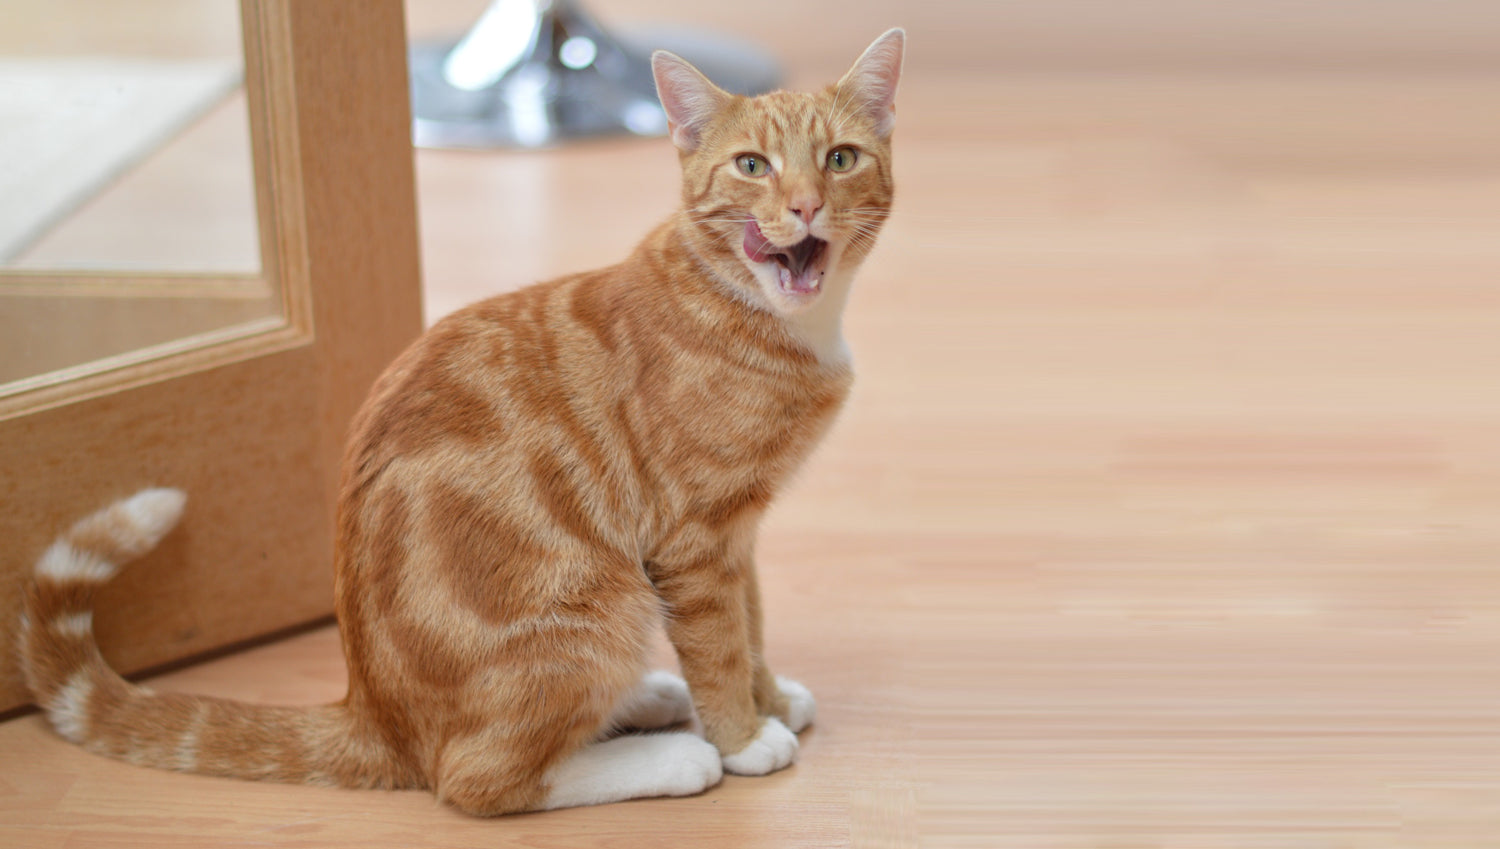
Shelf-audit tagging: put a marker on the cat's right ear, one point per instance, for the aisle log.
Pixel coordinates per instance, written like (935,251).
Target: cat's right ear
(689,98)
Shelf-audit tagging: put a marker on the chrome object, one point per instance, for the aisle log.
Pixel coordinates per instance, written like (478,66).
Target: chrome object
(534,73)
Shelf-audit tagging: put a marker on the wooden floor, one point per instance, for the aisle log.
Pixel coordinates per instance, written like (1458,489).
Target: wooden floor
(1166,512)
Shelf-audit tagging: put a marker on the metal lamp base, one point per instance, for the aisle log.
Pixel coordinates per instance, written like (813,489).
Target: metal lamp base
(567,78)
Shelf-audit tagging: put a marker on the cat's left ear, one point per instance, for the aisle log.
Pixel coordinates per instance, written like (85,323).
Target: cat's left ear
(873,79)
(689,98)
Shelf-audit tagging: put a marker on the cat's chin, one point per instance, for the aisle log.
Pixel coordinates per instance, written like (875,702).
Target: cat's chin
(798,287)
(786,293)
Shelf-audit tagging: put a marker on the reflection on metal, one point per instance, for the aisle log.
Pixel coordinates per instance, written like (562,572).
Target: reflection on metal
(533,73)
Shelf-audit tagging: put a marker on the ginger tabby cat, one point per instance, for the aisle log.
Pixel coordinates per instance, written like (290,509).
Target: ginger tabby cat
(539,480)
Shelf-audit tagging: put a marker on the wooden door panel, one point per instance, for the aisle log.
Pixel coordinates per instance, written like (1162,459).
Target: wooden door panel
(251,428)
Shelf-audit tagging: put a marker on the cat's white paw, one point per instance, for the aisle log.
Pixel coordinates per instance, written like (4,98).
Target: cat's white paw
(802,709)
(775,747)
(660,699)
(634,767)
(693,767)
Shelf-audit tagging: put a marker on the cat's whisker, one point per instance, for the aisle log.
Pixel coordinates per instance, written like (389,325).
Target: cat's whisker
(736,220)
(870,228)
(722,220)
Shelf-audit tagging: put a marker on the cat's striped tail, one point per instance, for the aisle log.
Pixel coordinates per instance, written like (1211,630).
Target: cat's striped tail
(90,704)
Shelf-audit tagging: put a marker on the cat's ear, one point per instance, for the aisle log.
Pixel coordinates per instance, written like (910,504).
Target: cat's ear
(873,79)
(688,97)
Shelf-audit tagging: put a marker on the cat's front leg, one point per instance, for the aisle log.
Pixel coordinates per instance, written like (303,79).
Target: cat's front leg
(775,696)
(704,582)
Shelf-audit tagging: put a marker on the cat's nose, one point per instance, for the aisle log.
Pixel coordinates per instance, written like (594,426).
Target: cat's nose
(805,206)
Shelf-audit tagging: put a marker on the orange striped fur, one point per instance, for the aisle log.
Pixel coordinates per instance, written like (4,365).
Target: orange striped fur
(537,482)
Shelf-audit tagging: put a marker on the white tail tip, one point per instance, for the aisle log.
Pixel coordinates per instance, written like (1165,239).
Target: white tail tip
(153,512)
(97,545)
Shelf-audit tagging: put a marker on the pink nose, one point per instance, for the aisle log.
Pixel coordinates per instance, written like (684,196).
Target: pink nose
(805,207)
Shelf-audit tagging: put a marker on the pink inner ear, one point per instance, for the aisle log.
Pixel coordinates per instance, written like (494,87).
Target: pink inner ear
(875,76)
(688,98)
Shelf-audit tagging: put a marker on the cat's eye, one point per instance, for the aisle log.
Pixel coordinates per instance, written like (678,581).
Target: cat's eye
(842,160)
(752,165)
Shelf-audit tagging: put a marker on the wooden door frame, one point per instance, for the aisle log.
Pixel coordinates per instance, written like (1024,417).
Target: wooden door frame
(251,421)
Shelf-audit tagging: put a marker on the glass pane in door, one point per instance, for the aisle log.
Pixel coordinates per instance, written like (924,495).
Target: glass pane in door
(128,215)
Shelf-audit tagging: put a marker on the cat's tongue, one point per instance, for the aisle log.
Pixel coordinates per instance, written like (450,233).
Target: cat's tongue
(757,246)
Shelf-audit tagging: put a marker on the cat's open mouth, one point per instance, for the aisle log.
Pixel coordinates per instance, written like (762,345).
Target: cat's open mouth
(799,268)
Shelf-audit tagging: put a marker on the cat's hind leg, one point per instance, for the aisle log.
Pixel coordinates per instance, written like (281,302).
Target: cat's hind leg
(505,767)
(634,767)
(532,761)
(801,709)
(659,700)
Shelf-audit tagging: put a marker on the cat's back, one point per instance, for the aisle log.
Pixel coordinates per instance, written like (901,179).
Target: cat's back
(481,375)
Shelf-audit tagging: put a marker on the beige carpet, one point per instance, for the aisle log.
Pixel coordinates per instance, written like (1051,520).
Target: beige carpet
(69,126)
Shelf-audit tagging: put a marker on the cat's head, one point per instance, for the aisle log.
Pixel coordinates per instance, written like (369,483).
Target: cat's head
(790,187)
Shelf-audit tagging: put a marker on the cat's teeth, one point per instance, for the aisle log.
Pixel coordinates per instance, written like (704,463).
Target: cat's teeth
(786,275)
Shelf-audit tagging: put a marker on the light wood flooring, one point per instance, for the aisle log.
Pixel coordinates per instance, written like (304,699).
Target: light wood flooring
(1166,512)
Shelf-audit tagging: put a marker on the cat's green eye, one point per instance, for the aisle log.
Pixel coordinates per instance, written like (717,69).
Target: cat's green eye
(842,160)
(752,165)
